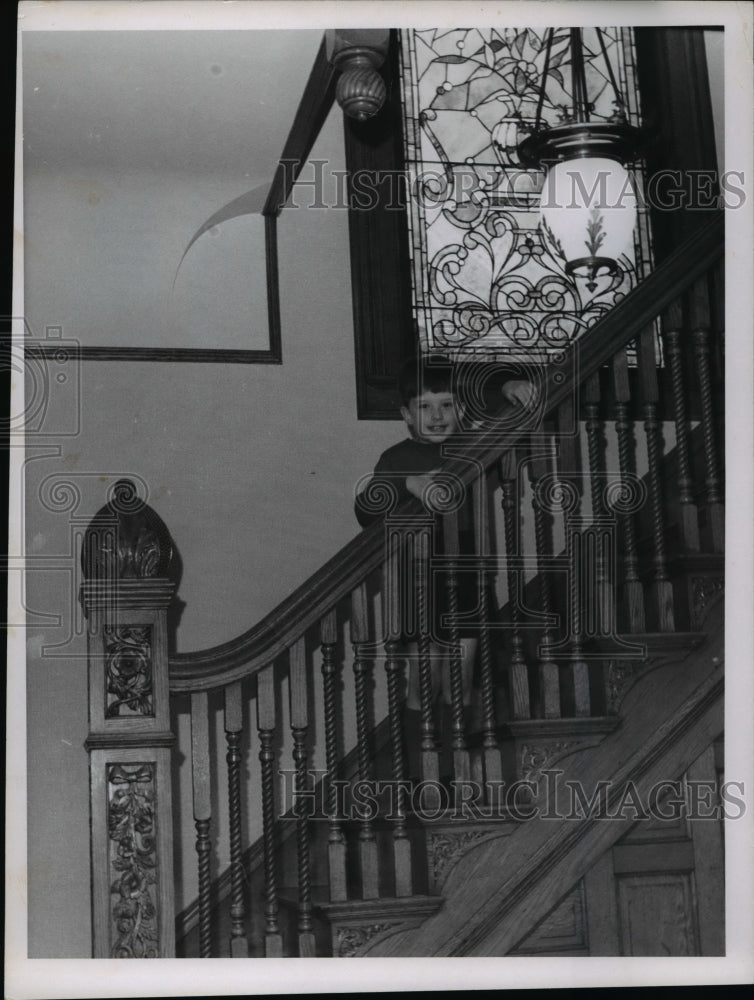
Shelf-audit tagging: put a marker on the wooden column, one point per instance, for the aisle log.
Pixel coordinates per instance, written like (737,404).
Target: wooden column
(129,744)
(127,562)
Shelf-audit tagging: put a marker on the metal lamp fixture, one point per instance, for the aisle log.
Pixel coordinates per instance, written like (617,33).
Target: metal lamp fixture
(360,90)
(588,202)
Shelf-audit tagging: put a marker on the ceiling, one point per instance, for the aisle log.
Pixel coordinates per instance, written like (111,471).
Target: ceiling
(186,101)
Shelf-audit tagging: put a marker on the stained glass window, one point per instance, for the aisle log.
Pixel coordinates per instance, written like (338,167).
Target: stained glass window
(486,282)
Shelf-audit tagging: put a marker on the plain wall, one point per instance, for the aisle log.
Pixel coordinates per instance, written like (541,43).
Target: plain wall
(252,467)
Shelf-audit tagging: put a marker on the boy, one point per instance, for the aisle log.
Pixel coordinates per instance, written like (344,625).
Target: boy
(434,413)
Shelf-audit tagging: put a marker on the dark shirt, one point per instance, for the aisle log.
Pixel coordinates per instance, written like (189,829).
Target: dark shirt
(409,457)
(406,458)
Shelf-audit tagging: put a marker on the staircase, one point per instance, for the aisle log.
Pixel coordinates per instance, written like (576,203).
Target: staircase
(598,701)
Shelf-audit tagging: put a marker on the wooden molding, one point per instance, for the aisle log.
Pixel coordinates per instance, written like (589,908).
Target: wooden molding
(384,332)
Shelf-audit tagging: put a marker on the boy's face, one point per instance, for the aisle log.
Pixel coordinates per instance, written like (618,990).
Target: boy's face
(432,416)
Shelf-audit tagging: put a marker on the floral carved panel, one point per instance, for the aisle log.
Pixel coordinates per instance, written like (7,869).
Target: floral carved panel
(128,671)
(131,826)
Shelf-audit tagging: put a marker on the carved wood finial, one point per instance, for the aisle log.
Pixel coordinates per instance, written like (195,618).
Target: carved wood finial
(127,539)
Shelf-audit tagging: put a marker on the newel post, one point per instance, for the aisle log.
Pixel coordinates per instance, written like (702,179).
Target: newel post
(129,569)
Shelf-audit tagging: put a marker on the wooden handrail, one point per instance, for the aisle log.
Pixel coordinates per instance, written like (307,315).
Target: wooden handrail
(257,647)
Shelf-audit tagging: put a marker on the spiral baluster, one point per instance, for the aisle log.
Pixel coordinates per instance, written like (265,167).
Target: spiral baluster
(700,323)
(239,947)
(509,504)
(202,814)
(549,678)
(421,539)
(568,474)
(394,668)
(662,587)
(362,668)
(673,336)
(336,845)
(299,729)
(490,749)
(602,614)
(266,721)
(461,766)
(633,591)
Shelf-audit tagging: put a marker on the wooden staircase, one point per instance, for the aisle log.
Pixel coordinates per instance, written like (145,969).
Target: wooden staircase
(604,666)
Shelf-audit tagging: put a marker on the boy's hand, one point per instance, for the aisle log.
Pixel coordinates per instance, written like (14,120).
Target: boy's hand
(520,393)
(418,484)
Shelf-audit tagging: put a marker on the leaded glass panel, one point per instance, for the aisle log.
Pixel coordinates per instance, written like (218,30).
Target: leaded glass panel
(486,283)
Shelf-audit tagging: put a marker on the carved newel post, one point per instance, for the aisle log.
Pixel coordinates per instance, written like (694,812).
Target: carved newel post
(130,570)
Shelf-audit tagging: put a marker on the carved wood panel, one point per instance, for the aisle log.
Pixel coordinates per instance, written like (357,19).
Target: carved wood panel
(656,914)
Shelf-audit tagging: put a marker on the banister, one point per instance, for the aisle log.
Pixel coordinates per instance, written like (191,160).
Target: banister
(254,649)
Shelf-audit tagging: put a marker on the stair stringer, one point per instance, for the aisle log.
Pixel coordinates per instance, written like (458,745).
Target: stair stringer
(498,892)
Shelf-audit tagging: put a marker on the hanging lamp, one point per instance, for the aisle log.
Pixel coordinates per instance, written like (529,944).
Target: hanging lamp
(588,201)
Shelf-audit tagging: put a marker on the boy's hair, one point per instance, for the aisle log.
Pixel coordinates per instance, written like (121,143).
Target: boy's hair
(433,373)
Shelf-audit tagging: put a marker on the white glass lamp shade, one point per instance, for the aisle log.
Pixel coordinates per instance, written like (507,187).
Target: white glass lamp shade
(588,213)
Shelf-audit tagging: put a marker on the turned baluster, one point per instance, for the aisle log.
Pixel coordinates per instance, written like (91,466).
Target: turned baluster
(633,592)
(299,709)
(200,772)
(599,613)
(549,676)
(239,947)
(717,347)
(510,506)
(362,668)
(672,325)
(490,749)
(421,540)
(266,722)
(391,604)
(699,311)
(461,768)
(336,845)
(569,466)
(662,590)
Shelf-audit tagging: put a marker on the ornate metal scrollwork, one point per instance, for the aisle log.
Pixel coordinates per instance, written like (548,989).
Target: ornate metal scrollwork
(131,829)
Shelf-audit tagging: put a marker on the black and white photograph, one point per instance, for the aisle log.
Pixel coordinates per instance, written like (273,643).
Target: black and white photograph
(380,497)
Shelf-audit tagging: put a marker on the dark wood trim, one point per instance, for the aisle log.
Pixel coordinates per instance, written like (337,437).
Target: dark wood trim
(155,354)
(273,288)
(671,67)
(313,109)
(256,648)
(384,329)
